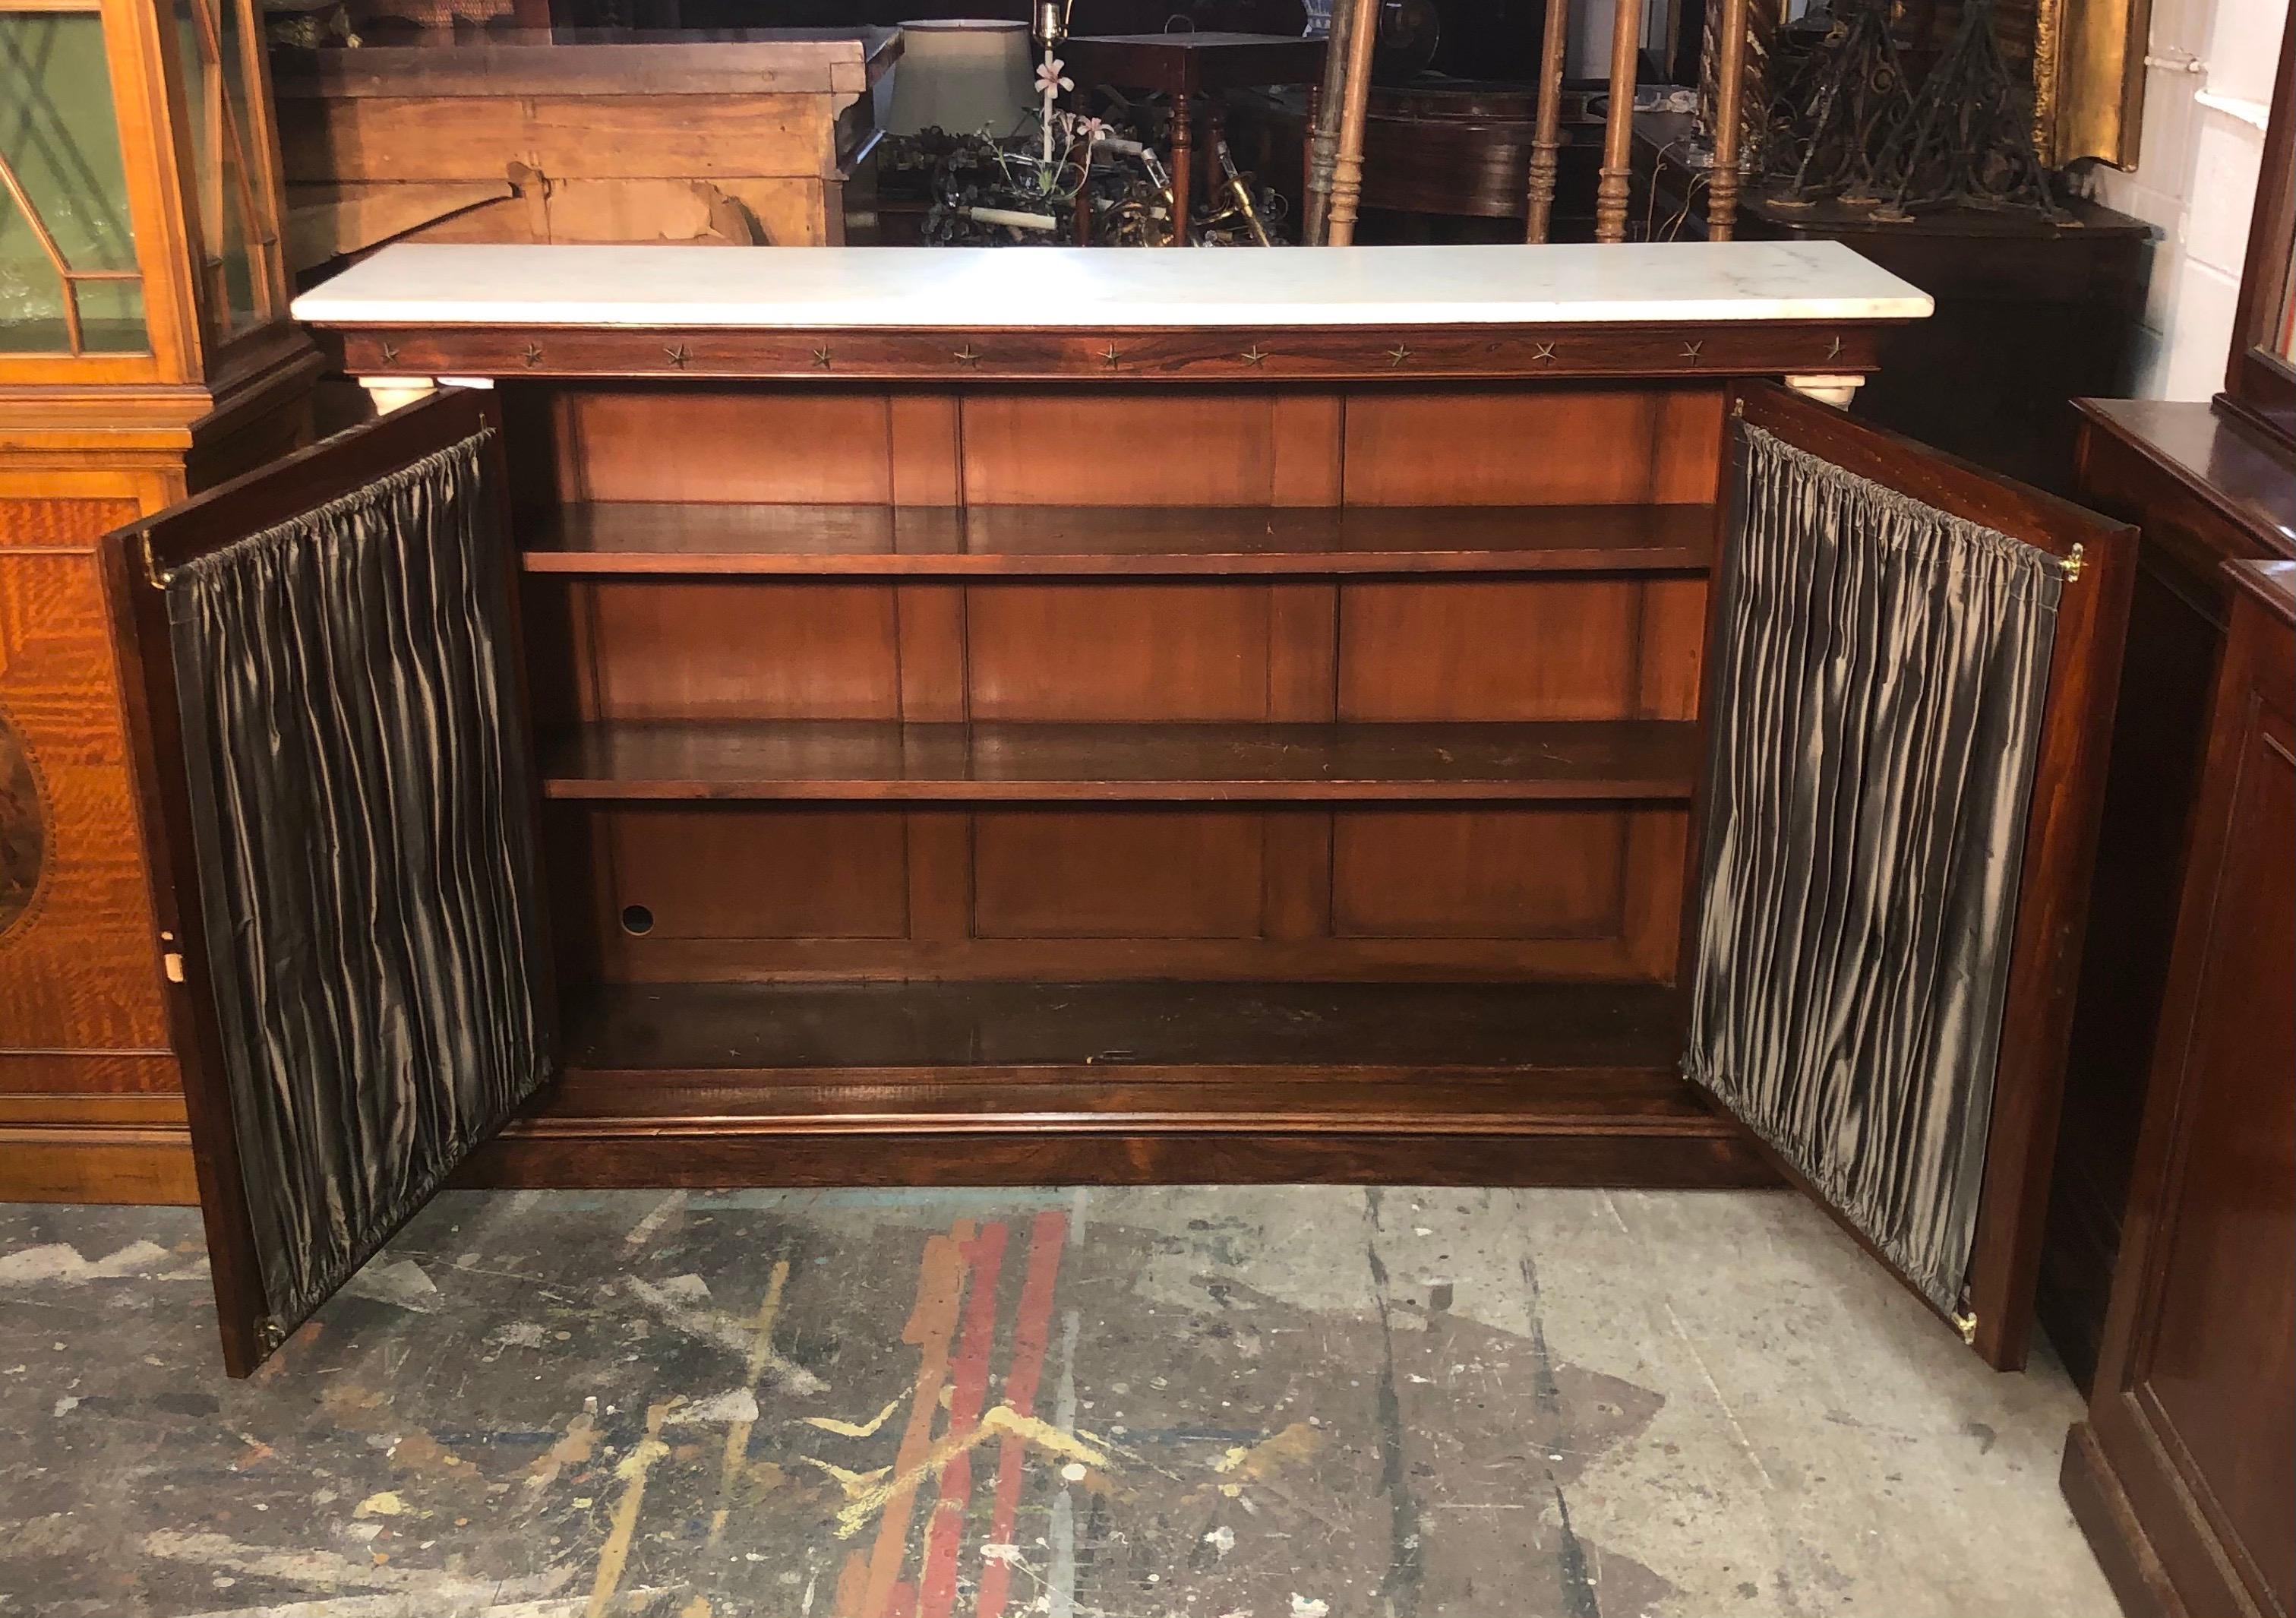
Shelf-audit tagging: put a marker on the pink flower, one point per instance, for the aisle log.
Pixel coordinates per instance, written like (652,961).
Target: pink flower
(1049,79)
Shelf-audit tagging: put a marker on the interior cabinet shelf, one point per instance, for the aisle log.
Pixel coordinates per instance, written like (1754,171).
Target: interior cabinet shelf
(1028,1082)
(881,541)
(1638,761)
(1482,1036)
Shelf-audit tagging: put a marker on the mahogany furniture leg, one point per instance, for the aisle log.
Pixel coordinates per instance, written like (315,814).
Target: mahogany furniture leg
(1347,165)
(1619,124)
(1183,158)
(1729,124)
(1546,139)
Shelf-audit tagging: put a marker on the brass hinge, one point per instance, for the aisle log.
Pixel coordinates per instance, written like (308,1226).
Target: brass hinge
(2072,564)
(1966,1325)
(154,575)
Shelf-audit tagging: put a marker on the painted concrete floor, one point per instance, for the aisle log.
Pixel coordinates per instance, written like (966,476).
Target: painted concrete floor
(1221,1403)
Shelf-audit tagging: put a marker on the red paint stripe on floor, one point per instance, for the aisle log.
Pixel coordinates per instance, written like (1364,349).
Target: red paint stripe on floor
(968,1393)
(931,1325)
(1030,1337)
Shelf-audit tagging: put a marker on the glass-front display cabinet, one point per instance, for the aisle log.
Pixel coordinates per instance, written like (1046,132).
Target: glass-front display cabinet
(144,355)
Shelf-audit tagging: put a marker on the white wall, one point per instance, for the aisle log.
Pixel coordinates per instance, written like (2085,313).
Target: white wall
(2196,179)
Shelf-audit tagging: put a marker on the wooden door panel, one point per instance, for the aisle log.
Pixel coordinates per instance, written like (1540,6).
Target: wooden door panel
(2184,1476)
(2052,852)
(2221,1359)
(326,714)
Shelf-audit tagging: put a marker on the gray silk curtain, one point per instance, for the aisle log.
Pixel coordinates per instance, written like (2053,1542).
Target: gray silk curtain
(360,797)
(1879,678)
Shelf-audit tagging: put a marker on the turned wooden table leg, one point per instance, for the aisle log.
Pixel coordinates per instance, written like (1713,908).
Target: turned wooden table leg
(1355,109)
(1729,123)
(1619,124)
(1546,138)
(1183,159)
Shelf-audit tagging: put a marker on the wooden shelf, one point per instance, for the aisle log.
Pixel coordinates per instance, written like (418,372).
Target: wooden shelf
(879,541)
(1142,1083)
(860,760)
(996,1032)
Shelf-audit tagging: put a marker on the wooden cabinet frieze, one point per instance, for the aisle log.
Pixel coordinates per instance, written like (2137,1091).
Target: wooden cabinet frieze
(1687,350)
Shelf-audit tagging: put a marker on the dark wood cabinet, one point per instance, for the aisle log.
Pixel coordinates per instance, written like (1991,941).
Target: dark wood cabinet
(2202,490)
(2184,1476)
(862,753)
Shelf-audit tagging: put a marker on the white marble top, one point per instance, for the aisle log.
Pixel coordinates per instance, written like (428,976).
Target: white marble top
(432,285)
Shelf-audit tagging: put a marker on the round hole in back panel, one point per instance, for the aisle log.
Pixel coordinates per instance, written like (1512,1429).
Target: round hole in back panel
(637,920)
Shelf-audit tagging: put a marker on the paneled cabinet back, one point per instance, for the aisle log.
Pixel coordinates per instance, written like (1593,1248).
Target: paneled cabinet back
(751,890)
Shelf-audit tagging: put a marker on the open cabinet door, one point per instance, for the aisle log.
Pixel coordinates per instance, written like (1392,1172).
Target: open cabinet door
(323,695)
(1907,717)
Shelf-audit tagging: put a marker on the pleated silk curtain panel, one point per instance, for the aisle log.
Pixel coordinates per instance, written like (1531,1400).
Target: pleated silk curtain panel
(1880,672)
(360,800)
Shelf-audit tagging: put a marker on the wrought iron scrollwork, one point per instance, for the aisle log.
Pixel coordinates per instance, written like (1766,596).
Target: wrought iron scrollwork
(1851,127)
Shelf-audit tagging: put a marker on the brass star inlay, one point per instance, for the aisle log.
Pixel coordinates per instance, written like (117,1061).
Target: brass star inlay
(1252,356)
(676,355)
(531,354)
(966,356)
(1691,350)
(1543,354)
(1396,355)
(390,355)
(1834,350)
(1111,355)
(821,359)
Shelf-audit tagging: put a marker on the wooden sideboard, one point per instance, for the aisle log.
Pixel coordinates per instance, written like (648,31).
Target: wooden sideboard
(2202,490)
(1015,718)
(2184,1476)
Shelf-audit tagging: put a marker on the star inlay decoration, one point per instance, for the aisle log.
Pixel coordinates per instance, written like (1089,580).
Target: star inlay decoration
(531,354)
(389,354)
(1110,354)
(1543,354)
(1833,350)
(1692,350)
(1252,356)
(967,355)
(821,359)
(676,355)
(1396,355)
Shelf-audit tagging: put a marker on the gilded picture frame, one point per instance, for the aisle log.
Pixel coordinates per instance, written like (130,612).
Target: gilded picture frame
(2088,79)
